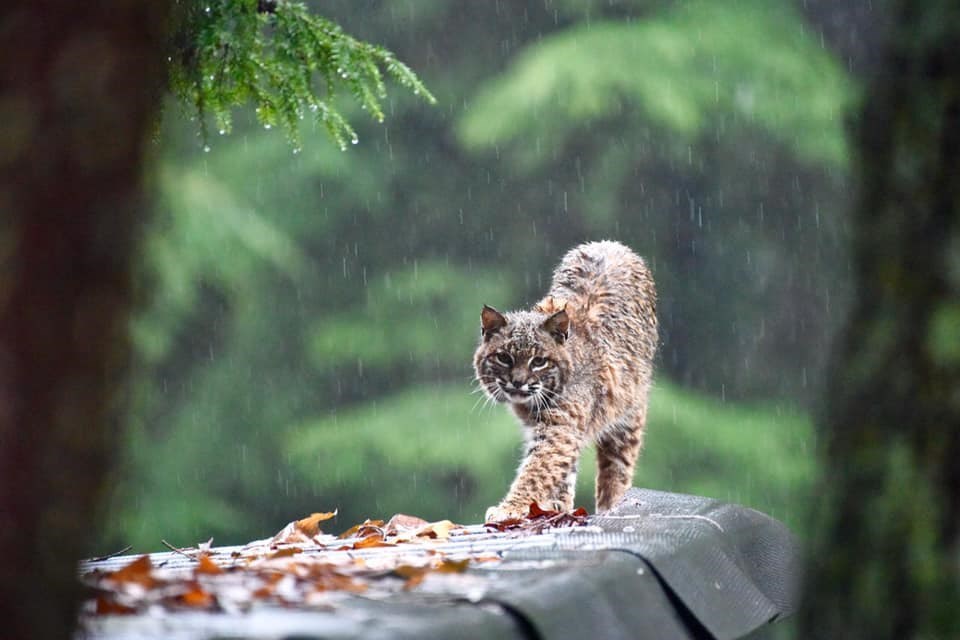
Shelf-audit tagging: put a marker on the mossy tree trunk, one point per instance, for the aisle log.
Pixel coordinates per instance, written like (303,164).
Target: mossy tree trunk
(885,559)
(79,89)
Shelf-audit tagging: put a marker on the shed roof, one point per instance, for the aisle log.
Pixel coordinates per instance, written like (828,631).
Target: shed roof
(660,565)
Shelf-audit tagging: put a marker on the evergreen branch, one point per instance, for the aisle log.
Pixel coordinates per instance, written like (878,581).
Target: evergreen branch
(285,60)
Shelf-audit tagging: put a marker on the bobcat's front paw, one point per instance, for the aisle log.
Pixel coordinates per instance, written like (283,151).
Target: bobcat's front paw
(502,512)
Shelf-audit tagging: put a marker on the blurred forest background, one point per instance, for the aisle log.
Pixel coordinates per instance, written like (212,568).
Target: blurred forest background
(309,314)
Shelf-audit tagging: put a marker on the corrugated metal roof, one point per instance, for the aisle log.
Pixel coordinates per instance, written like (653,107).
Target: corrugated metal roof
(661,566)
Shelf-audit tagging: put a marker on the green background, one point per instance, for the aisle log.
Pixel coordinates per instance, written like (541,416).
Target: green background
(308,315)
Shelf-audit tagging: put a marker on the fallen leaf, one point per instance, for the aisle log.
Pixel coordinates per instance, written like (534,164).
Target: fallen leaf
(263,592)
(106,607)
(504,525)
(140,571)
(285,552)
(373,540)
(437,530)
(453,566)
(414,575)
(363,529)
(536,511)
(336,582)
(302,530)
(371,530)
(543,518)
(401,522)
(310,526)
(207,566)
(270,583)
(538,519)
(421,531)
(197,598)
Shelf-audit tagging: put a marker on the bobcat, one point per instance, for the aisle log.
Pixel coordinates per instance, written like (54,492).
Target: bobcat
(575,369)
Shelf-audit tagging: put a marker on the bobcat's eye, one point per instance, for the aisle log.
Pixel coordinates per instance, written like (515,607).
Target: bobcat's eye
(504,359)
(537,363)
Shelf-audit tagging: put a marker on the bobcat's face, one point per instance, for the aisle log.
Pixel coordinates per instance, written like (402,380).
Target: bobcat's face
(522,358)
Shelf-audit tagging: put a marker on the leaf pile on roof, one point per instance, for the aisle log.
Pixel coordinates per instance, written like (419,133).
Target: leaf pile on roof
(301,566)
(537,520)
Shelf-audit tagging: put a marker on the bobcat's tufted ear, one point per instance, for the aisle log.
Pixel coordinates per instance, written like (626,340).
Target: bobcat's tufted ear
(558,325)
(491,321)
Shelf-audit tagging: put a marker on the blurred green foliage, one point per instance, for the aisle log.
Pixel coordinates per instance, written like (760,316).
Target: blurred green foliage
(421,317)
(943,337)
(227,241)
(684,68)
(308,317)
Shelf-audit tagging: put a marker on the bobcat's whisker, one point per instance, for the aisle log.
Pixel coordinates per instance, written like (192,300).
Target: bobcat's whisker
(479,403)
(541,401)
(551,396)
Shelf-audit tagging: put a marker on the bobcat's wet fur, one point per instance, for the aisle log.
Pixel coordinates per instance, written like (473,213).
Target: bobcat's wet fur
(575,369)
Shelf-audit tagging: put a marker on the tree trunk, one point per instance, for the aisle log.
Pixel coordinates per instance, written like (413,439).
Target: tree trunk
(79,88)
(885,559)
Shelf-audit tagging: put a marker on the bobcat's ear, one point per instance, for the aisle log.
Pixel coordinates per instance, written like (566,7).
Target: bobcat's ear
(558,325)
(491,321)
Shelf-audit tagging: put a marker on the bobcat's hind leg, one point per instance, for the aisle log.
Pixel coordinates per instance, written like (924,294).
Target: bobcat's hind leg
(617,449)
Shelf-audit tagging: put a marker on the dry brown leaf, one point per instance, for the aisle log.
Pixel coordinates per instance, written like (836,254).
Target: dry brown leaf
(285,552)
(413,578)
(401,522)
(408,528)
(197,597)
(503,525)
(363,529)
(538,519)
(414,575)
(336,582)
(106,607)
(373,540)
(272,578)
(263,592)
(207,566)
(437,530)
(140,571)
(302,530)
(453,566)
(536,511)
(310,526)
(371,530)
(270,583)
